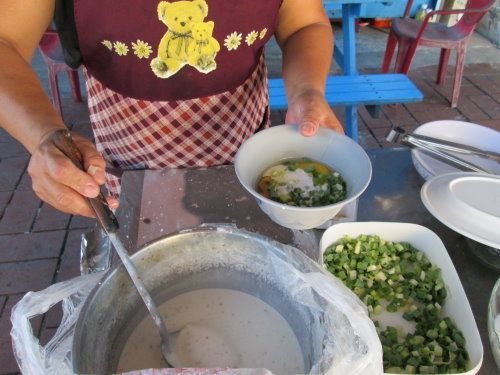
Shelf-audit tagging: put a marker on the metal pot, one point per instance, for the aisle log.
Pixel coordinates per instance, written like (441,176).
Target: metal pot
(207,257)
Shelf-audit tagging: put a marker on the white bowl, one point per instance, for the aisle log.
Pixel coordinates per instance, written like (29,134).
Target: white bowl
(337,151)
(456,305)
(459,132)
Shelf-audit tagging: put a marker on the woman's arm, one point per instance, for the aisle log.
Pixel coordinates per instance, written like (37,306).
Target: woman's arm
(305,36)
(28,115)
(26,111)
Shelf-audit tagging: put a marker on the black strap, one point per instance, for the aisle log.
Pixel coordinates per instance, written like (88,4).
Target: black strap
(64,19)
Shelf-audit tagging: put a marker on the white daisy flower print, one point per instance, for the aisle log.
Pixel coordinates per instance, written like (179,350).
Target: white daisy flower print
(121,48)
(263,33)
(108,44)
(251,37)
(142,49)
(232,41)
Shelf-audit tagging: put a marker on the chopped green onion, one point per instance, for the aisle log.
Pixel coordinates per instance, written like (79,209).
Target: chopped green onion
(402,276)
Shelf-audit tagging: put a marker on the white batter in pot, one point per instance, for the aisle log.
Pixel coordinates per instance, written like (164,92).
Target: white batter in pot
(217,328)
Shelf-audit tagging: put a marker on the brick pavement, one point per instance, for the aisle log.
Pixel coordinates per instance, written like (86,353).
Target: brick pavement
(40,246)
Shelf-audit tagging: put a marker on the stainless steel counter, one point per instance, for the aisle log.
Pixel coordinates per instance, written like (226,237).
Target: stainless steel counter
(156,203)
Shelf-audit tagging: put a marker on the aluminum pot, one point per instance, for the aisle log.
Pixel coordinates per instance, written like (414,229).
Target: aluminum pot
(205,257)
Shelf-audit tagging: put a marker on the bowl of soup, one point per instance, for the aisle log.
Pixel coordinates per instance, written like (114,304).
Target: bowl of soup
(302,182)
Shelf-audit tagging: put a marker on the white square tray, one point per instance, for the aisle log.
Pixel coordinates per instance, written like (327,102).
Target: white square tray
(456,306)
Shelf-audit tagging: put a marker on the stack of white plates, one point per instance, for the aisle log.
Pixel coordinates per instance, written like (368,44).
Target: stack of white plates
(459,132)
(466,202)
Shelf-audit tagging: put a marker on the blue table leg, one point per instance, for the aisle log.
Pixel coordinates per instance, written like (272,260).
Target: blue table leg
(351,119)
(349,14)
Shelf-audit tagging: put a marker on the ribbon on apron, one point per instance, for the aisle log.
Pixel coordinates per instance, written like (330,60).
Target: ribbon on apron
(185,39)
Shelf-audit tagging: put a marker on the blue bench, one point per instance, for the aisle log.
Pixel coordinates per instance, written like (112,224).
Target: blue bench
(353,90)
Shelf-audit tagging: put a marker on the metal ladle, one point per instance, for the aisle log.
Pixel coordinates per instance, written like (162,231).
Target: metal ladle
(107,220)
(439,148)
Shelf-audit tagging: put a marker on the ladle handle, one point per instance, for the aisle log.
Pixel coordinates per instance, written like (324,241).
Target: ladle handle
(63,140)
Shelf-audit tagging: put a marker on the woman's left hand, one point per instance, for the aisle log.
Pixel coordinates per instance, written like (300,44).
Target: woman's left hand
(311,110)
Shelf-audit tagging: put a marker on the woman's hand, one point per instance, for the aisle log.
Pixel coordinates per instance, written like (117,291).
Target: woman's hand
(311,110)
(305,36)
(57,181)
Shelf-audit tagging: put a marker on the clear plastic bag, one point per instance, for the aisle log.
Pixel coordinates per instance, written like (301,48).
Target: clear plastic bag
(350,346)
(55,357)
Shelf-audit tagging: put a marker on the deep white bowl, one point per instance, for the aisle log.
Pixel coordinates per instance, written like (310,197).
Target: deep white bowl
(270,146)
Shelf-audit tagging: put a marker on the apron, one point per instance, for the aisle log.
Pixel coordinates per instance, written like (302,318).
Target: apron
(137,134)
(174,84)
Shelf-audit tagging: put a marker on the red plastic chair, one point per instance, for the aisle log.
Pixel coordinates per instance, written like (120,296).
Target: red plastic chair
(52,54)
(411,33)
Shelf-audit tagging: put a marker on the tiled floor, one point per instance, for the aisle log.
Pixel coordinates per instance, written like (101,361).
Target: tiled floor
(40,246)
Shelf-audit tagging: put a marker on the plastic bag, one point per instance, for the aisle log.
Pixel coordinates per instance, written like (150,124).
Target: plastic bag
(55,357)
(351,347)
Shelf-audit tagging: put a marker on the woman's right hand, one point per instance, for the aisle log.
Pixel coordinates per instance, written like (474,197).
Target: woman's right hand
(57,181)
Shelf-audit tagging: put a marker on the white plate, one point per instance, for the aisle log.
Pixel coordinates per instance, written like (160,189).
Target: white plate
(460,132)
(468,203)
(456,305)
(494,322)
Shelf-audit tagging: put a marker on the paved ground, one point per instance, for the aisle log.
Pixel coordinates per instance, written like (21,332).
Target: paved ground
(40,246)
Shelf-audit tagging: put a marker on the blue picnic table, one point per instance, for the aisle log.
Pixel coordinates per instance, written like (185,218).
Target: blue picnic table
(353,89)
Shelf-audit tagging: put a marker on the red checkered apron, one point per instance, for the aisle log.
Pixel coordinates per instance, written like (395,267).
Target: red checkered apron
(139,134)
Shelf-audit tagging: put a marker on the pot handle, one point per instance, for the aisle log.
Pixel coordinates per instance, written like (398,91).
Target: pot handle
(63,140)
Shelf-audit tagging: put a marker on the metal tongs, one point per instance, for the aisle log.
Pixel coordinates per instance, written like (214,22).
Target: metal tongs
(441,149)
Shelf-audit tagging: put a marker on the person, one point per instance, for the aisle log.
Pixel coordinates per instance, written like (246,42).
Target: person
(170,84)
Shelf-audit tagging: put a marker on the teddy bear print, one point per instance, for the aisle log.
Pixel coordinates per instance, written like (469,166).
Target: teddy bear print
(203,49)
(179,17)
